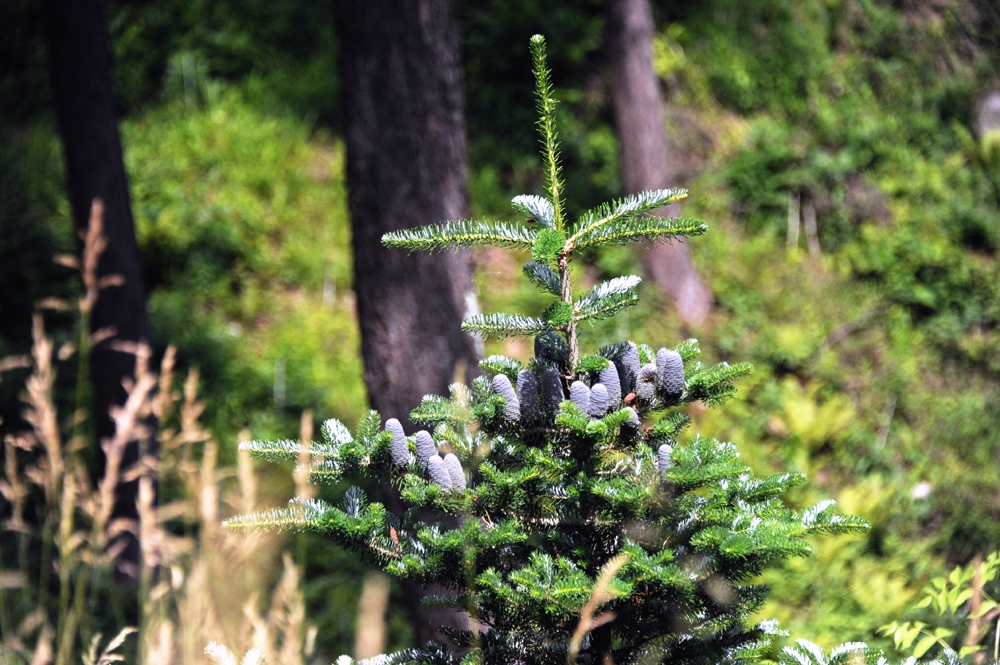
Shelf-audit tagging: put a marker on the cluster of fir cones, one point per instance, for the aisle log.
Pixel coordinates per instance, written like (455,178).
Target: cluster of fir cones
(536,402)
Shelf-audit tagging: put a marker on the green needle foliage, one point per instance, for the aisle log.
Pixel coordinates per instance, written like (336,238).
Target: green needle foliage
(589,528)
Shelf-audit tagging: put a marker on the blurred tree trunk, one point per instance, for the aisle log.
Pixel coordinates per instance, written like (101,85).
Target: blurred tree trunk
(402,98)
(645,154)
(80,65)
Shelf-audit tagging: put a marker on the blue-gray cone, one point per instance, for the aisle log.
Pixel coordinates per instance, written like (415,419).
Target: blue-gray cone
(663,460)
(598,401)
(628,368)
(527,395)
(454,471)
(645,385)
(552,393)
(669,375)
(439,473)
(502,387)
(631,426)
(399,450)
(609,377)
(579,394)
(425,448)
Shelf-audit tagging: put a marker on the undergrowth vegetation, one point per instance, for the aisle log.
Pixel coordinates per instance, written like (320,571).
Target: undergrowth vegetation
(875,340)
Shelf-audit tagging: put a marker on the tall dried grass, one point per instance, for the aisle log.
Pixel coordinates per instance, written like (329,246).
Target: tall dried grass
(198,585)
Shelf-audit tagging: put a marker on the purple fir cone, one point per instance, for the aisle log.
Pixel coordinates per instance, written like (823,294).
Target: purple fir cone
(502,387)
(400,451)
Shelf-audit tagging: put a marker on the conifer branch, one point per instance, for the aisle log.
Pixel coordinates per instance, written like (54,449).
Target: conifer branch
(335,432)
(607,306)
(567,297)
(653,229)
(463,233)
(499,326)
(616,212)
(546,104)
(502,365)
(538,208)
(618,285)
(544,277)
(285,450)
(300,514)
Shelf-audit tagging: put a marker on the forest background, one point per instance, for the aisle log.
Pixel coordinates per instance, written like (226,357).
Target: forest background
(873,331)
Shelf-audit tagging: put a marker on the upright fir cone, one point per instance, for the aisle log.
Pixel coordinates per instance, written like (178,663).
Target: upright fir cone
(645,383)
(455,471)
(663,460)
(552,393)
(425,448)
(628,369)
(502,387)
(400,451)
(598,401)
(669,375)
(609,377)
(527,395)
(438,472)
(579,394)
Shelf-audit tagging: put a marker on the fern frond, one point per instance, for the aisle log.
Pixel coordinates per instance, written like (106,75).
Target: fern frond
(499,326)
(464,233)
(641,228)
(546,104)
(630,207)
(544,277)
(300,514)
(538,207)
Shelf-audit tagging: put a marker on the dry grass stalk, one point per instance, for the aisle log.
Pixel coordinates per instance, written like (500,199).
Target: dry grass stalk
(369,639)
(13,488)
(303,488)
(40,411)
(190,596)
(600,594)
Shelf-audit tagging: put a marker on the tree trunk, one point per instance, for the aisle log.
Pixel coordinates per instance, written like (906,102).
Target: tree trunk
(406,166)
(645,155)
(80,66)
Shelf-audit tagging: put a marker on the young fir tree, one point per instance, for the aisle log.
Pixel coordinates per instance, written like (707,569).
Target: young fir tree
(590,530)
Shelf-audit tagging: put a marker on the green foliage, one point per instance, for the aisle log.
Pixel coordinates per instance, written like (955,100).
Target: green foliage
(544,277)
(242,221)
(546,104)
(652,229)
(461,234)
(807,653)
(962,613)
(502,365)
(547,246)
(504,325)
(553,488)
(875,364)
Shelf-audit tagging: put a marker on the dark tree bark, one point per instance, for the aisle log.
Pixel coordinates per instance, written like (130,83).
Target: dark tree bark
(80,65)
(406,166)
(645,153)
